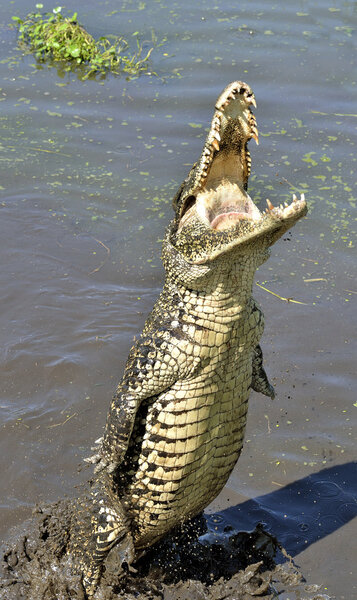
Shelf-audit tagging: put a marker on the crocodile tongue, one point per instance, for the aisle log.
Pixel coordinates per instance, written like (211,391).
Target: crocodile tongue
(227,220)
(225,206)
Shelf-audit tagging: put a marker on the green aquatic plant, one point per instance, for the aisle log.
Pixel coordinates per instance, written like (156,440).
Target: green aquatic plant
(52,36)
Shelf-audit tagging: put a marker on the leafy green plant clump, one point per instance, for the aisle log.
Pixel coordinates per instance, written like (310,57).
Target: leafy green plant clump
(53,36)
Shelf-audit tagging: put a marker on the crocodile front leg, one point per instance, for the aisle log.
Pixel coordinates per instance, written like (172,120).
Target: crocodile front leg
(260,382)
(149,370)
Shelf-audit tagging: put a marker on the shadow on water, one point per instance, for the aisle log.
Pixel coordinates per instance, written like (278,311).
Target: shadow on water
(300,513)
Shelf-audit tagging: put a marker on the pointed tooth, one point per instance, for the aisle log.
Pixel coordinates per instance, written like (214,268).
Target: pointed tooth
(221,105)
(302,197)
(255,137)
(270,206)
(295,198)
(216,122)
(217,136)
(286,204)
(215,144)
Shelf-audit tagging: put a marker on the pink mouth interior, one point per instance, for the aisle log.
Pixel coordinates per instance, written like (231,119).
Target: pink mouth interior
(228,219)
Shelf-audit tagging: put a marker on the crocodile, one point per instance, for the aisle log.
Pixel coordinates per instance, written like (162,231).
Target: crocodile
(176,423)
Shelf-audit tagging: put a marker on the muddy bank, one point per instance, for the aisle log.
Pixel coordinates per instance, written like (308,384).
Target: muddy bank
(192,563)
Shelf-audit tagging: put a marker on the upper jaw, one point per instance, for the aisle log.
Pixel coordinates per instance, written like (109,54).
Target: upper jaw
(225,155)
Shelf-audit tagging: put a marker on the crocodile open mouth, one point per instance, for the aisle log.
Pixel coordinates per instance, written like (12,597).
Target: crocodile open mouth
(222,207)
(214,212)
(225,159)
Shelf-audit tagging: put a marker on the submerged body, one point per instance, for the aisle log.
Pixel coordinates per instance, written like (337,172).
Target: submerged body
(176,423)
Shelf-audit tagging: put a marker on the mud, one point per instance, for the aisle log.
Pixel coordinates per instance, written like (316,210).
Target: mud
(194,563)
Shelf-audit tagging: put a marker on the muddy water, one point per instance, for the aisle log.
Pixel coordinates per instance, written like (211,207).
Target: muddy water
(88,173)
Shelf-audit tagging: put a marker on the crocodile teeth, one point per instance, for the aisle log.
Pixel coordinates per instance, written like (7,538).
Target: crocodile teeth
(251,100)
(232,91)
(217,121)
(296,199)
(270,205)
(255,135)
(249,163)
(215,144)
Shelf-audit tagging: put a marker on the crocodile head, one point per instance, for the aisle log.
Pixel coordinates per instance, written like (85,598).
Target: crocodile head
(214,215)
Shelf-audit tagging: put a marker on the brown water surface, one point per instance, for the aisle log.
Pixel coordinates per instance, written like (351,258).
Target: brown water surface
(88,172)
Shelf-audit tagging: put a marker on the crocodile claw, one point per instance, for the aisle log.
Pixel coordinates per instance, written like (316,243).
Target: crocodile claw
(105,464)
(93,460)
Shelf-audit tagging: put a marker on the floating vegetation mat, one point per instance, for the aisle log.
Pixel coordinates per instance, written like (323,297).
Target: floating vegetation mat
(53,36)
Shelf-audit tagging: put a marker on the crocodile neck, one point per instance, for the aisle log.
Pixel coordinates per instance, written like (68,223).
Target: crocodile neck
(220,292)
(222,305)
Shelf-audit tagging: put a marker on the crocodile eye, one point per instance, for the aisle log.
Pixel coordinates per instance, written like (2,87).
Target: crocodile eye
(187,204)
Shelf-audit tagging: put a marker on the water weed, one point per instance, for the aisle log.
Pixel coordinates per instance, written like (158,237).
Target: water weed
(53,36)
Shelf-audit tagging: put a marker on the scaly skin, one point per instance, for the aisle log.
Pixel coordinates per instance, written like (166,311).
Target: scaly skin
(176,423)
